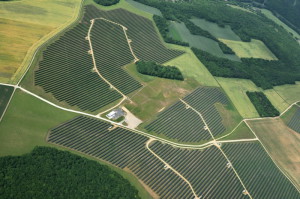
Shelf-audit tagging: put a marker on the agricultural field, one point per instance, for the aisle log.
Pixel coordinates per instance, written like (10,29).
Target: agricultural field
(258,172)
(241,132)
(122,148)
(290,93)
(179,30)
(5,96)
(37,21)
(282,143)
(236,90)
(253,49)
(205,169)
(145,8)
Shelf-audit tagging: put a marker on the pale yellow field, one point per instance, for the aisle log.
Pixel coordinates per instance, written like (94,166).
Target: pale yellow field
(24,26)
(254,49)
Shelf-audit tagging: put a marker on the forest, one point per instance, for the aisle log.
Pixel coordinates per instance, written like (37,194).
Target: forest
(261,103)
(153,69)
(50,173)
(247,26)
(107,2)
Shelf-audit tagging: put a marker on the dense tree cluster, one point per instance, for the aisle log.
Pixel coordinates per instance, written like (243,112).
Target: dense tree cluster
(50,173)
(265,74)
(107,2)
(261,103)
(153,69)
(163,27)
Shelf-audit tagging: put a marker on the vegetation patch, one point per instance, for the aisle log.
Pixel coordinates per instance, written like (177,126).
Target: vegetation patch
(257,169)
(252,49)
(153,69)
(44,175)
(241,132)
(5,95)
(107,2)
(162,25)
(261,103)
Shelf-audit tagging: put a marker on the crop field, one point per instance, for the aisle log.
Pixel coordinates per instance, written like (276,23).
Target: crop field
(35,20)
(294,123)
(290,93)
(122,148)
(5,94)
(206,170)
(258,172)
(253,49)
(66,72)
(197,41)
(281,142)
(146,43)
(178,122)
(217,31)
(111,53)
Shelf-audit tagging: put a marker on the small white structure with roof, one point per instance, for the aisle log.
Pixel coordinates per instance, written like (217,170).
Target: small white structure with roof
(115,114)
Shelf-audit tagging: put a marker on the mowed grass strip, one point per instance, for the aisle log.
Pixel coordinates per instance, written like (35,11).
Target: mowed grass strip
(35,20)
(253,49)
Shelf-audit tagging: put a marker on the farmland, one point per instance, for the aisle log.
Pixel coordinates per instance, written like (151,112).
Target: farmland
(258,171)
(37,21)
(5,95)
(281,142)
(252,49)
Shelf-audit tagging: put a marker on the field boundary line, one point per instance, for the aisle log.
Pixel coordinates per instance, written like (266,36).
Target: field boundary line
(281,170)
(231,131)
(170,167)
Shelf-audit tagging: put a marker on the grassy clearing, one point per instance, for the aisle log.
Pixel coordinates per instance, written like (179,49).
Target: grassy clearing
(254,49)
(34,118)
(270,15)
(282,144)
(240,8)
(242,132)
(5,95)
(290,93)
(216,30)
(236,90)
(37,21)
(197,41)
(122,4)
(145,8)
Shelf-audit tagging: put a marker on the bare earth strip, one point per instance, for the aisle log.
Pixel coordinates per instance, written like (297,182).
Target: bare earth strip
(282,143)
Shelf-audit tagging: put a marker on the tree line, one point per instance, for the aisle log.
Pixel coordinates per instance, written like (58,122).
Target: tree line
(264,73)
(154,69)
(49,173)
(107,2)
(262,104)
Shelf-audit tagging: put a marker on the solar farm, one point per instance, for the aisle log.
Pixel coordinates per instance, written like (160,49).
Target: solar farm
(182,151)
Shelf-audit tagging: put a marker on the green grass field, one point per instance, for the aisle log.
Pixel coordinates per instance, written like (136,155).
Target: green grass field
(145,8)
(241,132)
(179,30)
(290,93)
(5,95)
(254,49)
(26,124)
(35,20)
(216,30)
